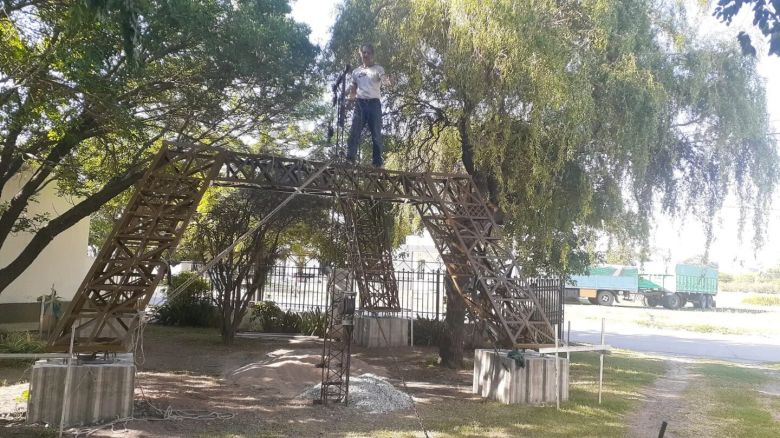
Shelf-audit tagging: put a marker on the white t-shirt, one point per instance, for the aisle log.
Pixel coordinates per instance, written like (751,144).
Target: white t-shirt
(368,80)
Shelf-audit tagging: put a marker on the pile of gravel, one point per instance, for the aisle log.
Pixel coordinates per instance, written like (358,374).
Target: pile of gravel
(369,393)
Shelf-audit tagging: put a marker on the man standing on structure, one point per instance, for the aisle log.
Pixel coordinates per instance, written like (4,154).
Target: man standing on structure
(364,90)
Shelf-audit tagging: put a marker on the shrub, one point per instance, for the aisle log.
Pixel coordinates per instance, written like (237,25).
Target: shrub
(762,300)
(23,397)
(20,342)
(313,323)
(428,331)
(192,307)
(769,287)
(269,318)
(266,316)
(290,322)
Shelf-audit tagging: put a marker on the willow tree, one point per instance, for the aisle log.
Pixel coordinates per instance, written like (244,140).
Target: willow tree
(578,119)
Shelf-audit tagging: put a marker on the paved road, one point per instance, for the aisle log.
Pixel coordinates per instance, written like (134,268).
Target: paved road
(683,343)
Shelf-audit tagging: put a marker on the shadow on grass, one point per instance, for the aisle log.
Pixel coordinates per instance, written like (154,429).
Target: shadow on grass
(734,405)
(625,376)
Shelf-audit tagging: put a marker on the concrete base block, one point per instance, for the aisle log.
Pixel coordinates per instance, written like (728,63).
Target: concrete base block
(499,378)
(99,392)
(368,331)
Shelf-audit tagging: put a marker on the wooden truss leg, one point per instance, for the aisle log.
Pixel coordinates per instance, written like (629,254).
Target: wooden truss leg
(370,254)
(131,262)
(482,267)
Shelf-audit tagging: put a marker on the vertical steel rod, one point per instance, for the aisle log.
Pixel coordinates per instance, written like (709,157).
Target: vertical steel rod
(411,321)
(662,432)
(68,377)
(557,373)
(601,361)
(438,292)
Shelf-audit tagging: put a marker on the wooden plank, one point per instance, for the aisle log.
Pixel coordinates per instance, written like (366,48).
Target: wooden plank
(575,348)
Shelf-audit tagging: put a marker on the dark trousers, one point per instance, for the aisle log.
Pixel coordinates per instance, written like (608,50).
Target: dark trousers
(367,112)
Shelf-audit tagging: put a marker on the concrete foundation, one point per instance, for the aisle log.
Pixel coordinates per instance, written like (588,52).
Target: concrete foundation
(98,392)
(368,331)
(499,378)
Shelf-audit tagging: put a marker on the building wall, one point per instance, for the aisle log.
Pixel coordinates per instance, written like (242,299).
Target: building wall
(62,264)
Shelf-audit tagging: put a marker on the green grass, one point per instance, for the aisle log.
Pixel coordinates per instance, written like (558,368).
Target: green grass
(729,397)
(625,376)
(698,328)
(190,335)
(762,300)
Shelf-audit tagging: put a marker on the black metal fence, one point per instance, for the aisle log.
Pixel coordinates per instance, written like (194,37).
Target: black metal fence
(299,289)
(549,292)
(421,292)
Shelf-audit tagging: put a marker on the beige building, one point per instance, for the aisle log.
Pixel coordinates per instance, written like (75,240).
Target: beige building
(61,265)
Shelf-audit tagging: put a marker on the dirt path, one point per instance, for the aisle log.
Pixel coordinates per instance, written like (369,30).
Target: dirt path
(769,392)
(665,401)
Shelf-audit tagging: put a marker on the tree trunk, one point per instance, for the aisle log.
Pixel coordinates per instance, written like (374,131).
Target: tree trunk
(451,344)
(45,235)
(485,182)
(227,333)
(16,206)
(228,303)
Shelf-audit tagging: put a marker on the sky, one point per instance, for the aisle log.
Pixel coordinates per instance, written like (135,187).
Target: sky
(681,237)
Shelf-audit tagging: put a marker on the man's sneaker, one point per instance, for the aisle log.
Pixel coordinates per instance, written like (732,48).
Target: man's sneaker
(379,166)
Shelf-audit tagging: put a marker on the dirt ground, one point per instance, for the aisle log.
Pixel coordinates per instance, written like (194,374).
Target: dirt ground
(664,401)
(252,386)
(250,389)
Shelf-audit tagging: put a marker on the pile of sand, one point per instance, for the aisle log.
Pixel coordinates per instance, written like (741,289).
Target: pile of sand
(288,373)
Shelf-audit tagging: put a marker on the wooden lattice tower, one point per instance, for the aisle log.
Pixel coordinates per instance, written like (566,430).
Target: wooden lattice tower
(131,263)
(483,269)
(364,230)
(370,254)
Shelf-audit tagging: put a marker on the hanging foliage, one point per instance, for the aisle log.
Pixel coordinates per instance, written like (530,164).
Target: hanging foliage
(578,119)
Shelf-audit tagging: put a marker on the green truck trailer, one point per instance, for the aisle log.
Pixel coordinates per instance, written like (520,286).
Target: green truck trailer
(605,285)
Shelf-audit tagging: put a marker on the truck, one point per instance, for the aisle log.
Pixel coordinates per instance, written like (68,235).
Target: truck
(607,284)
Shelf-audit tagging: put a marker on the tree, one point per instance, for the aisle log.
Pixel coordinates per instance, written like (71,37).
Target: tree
(451,343)
(79,111)
(227,214)
(577,119)
(766,16)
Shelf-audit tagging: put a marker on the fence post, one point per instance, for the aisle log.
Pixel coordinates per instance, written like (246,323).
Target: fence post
(438,291)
